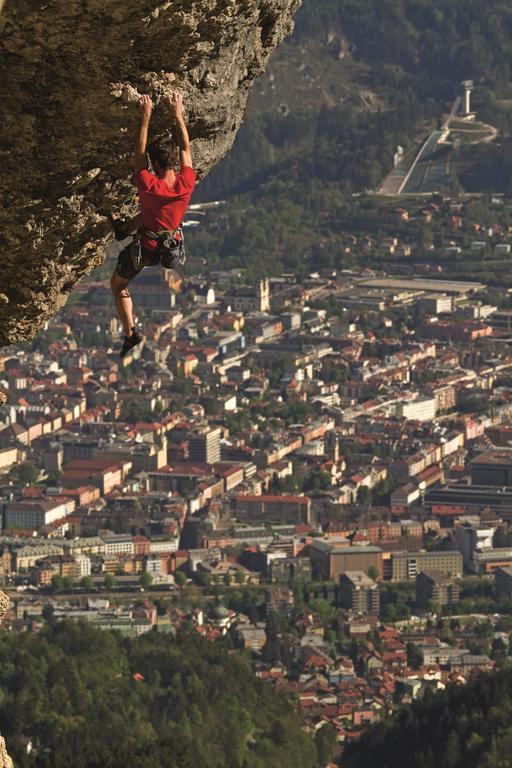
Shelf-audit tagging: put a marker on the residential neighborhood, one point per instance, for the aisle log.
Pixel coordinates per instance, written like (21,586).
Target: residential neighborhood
(315,470)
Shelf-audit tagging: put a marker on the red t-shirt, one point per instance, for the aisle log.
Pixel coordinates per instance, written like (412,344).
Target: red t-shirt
(163,206)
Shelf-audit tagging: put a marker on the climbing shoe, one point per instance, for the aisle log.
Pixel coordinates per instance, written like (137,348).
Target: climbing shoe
(130,342)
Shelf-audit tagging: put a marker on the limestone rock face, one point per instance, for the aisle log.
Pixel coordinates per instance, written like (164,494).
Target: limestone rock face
(72,72)
(5,759)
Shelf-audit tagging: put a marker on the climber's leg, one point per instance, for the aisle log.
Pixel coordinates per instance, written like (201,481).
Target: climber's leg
(123,300)
(124,306)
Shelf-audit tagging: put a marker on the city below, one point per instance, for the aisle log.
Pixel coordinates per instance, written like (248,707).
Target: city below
(317,470)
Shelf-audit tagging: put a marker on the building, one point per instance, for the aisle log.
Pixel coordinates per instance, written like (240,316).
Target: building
(250,299)
(119,544)
(469,499)
(359,593)
(501,320)
(279,599)
(204,446)
(492,559)
(421,409)
(407,565)
(436,587)
(503,583)
(285,569)
(441,654)
(468,86)
(278,509)
(436,304)
(83,563)
(31,515)
(251,637)
(26,557)
(332,558)
(492,468)
(472,538)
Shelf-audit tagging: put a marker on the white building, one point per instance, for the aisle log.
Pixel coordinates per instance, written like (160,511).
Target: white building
(84,565)
(119,544)
(164,545)
(421,409)
(154,564)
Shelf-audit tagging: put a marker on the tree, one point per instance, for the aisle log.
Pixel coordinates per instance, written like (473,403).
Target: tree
(109,581)
(414,655)
(47,613)
(204,578)
(373,573)
(325,742)
(57,582)
(73,667)
(24,474)
(364,495)
(452,752)
(180,578)
(67,582)
(145,580)
(87,583)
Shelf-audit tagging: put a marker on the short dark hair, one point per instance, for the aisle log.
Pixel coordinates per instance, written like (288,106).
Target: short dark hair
(164,153)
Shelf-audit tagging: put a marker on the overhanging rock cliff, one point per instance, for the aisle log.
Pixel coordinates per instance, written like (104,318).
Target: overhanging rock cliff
(72,71)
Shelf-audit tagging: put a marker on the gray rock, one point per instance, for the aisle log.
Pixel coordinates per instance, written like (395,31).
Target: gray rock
(72,72)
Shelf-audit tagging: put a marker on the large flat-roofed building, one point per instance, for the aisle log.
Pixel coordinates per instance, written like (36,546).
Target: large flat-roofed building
(471,499)
(407,565)
(493,468)
(332,558)
(436,587)
(33,514)
(449,287)
(492,559)
(278,509)
(359,593)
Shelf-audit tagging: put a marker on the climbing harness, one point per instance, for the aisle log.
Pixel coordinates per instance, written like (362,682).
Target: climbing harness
(170,249)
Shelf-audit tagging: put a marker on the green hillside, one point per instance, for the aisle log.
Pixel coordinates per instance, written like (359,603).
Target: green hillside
(464,727)
(357,78)
(91,699)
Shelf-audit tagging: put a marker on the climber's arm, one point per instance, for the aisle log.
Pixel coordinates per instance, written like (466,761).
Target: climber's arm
(175,104)
(141,140)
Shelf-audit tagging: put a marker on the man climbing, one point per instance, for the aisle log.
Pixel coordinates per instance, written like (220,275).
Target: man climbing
(163,199)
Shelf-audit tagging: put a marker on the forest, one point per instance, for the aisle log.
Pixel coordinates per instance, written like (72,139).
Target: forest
(463,727)
(94,699)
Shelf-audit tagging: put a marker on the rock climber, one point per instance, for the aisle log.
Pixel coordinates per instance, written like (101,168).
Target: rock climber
(164,196)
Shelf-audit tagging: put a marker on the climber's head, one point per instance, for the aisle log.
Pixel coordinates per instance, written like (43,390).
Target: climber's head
(164,155)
